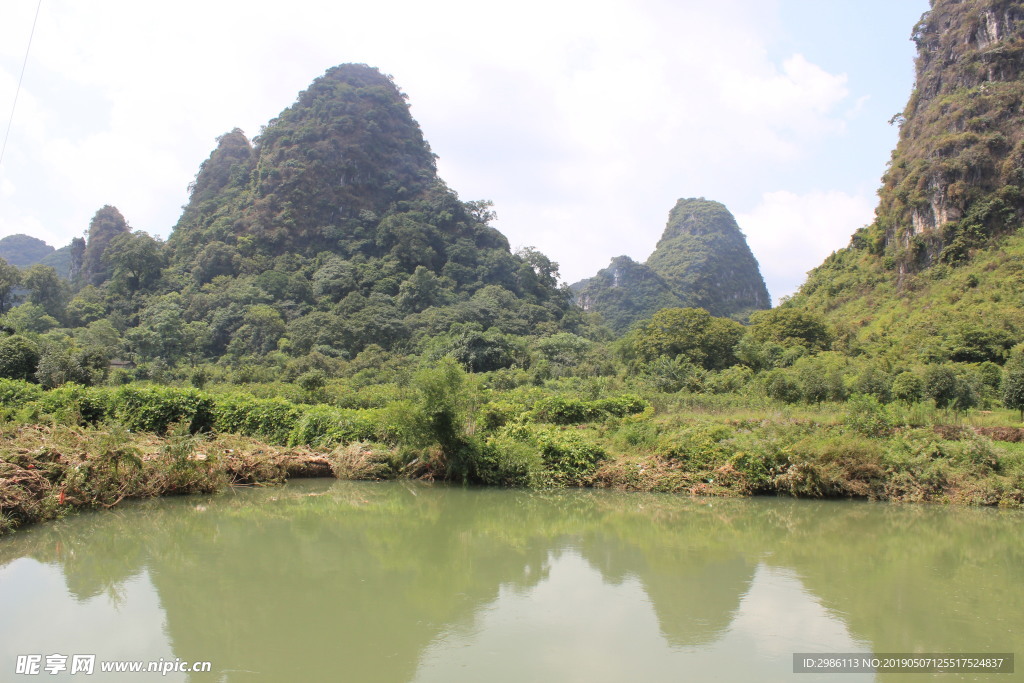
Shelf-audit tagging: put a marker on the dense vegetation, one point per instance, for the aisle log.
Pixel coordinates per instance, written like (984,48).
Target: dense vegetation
(702,260)
(324,290)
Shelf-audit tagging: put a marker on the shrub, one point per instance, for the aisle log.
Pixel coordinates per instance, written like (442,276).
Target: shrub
(502,461)
(497,414)
(320,426)
(15,393)
(700,446)
(154,409)
(567,455)
(908,387)
(19,358)
(76,404)
(561,410)
(620,406)
(867,416)
(269,419)
(782,386)
(948,387)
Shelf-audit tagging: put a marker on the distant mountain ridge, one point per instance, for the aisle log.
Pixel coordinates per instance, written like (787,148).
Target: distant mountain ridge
(23,250)
(702,260)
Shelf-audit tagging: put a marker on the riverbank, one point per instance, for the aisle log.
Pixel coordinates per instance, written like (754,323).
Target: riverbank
(50,470)
(47,471)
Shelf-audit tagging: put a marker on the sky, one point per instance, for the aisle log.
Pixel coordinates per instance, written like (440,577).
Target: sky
(583,121)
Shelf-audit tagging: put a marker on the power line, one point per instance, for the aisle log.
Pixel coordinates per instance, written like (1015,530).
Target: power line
(17,90)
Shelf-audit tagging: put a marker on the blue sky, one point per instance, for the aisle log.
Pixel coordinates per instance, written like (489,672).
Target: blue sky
(582,121)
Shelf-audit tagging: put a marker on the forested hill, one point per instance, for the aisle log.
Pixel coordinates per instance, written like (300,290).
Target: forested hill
(22,250)
(939,270)
(701,261)
(326,234)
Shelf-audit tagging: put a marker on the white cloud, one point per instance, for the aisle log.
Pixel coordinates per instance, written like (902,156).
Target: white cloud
(583,121)
(792,233)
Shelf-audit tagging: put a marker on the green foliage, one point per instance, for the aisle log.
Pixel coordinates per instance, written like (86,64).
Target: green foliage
(19,358)
(15,393)
(567,455)
(781,385)
(702,447)
(563,410)
(45,289)
(867,416)
(155,408)
(134,259)
(439,413)
(790,326)
(690,333)
(620,406)
(907,386)
(77,404)
(477,350)
(948,386)
(822,377)
(323,426)
(105,225)
(505,461)
(270,419)
(1013,381)
(10,278)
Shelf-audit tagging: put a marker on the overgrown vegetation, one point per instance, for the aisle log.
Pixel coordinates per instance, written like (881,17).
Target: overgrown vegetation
(326,305)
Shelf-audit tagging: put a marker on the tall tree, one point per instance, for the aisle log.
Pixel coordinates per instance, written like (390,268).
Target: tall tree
(10,277)
(135,260)
(46,289)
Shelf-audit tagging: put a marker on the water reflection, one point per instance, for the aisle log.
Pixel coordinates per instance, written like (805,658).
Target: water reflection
(327,580)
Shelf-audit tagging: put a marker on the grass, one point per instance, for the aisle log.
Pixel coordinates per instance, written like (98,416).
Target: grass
(695,444)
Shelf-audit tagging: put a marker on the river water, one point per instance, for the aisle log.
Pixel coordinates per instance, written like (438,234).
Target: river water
(349,581)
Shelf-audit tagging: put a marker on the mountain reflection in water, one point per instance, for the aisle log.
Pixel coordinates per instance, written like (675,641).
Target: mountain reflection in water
(334,580)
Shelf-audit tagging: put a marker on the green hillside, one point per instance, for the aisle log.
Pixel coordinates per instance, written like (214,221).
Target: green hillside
(701,261)
(23,250)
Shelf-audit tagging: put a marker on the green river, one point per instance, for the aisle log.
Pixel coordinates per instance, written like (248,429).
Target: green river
(324,580)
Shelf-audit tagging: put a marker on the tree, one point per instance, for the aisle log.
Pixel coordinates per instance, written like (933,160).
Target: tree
(790,326)
(214,260)
(18,358)
(262,326)
(46,289)
(907,386)
(440,413)
(10,277)
(29,317)
(135,259)
(1013,381)
(689,332)
(948,387)
(421,291)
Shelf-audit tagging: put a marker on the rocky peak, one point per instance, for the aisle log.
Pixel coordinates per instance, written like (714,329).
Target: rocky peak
(956,175)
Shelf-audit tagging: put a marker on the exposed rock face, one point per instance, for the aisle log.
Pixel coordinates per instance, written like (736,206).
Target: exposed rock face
(956,175)
(702,261)
(937,276)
